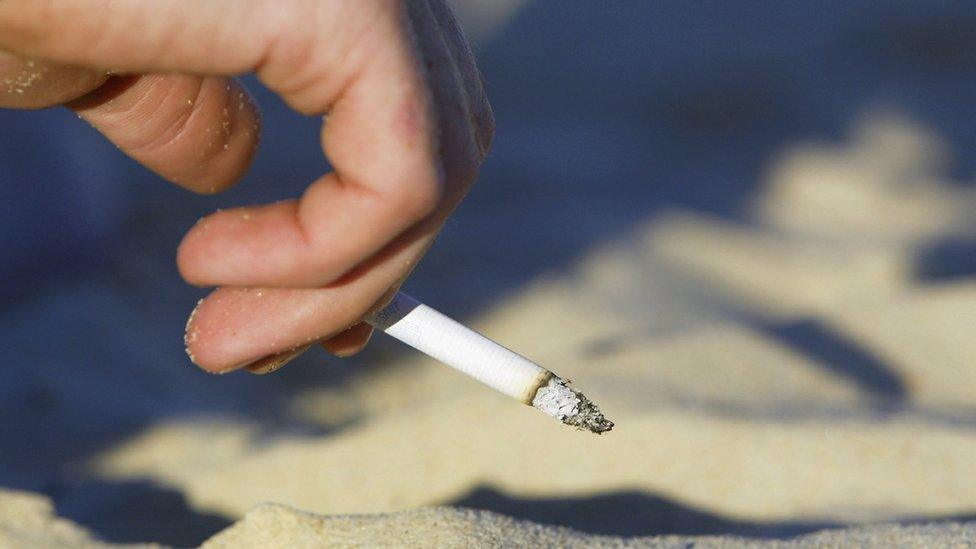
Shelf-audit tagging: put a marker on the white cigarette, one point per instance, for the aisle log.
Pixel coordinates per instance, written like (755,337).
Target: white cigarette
(450,342)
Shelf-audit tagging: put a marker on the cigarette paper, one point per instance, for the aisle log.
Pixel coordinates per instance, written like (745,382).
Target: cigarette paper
(452,343)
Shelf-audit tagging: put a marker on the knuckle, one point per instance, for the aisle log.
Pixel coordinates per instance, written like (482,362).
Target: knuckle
(419,200)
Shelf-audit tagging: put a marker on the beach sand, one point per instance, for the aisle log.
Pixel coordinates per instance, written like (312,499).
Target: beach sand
(27,521)
(759,266)
(763,384)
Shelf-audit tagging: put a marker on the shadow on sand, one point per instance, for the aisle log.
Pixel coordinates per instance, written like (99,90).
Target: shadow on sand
(135,511)
(641,514)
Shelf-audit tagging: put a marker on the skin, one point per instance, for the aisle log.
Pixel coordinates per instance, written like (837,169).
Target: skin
(407,127)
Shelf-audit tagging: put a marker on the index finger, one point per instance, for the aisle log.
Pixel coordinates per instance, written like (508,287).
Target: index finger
(355,60)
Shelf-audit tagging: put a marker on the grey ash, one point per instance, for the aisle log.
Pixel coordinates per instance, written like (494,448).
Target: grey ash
(570,406)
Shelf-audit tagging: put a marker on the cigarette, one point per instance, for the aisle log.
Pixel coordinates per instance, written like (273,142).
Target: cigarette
(465,350)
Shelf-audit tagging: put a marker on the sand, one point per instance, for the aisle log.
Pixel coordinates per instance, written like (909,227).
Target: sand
(277,526)
(27,521)
(815,388)
(756,259)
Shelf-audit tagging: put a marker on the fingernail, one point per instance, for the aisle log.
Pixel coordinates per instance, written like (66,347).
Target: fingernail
(273,363)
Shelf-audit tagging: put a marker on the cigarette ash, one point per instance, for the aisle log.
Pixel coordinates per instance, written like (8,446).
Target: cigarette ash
(570,406)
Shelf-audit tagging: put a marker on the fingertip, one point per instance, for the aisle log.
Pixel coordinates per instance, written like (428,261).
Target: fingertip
(191,256)
(229,141)
(201,133)
(255,246)
(215,341)
(234,328)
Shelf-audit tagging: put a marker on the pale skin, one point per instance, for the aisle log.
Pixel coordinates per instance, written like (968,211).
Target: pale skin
(407,128)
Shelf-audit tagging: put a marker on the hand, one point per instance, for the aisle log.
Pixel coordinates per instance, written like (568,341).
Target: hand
(408,126)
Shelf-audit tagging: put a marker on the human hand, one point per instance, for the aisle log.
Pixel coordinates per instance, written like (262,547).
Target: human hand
(408,126)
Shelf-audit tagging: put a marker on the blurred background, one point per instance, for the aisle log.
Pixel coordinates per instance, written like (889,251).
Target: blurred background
(748,229)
